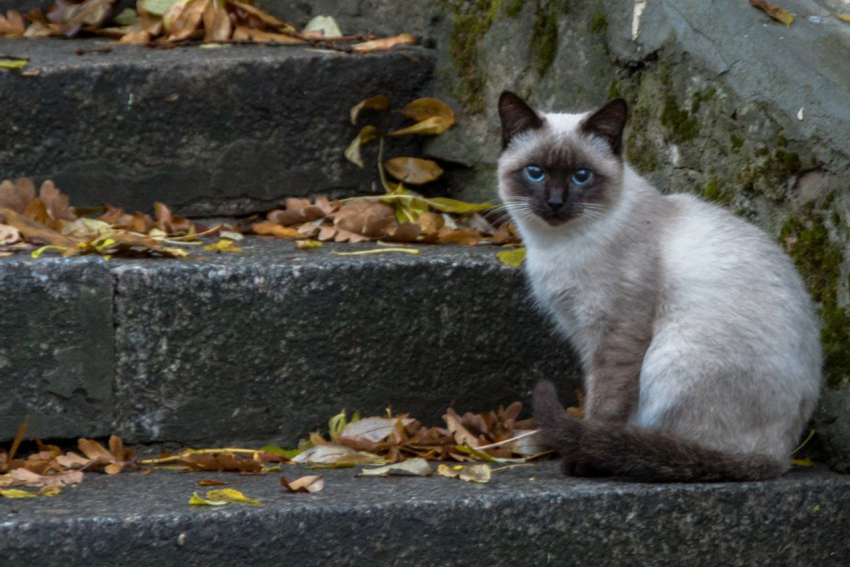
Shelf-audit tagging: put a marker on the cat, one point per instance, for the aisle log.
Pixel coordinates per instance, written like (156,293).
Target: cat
(699,343)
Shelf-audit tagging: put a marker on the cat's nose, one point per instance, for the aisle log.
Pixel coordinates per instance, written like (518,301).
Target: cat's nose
(555,205)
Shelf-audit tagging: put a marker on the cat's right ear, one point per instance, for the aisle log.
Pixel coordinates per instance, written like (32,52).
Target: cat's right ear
(517,117)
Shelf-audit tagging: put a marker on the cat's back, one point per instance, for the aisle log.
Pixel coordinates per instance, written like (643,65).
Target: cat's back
(732,279)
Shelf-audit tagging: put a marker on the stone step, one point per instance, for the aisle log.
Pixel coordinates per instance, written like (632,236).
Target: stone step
(208,131)
(265,345)
(525,516)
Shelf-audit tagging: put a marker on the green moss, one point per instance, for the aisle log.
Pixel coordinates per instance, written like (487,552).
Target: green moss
(819,261)
(614,90)
(544,38)
(679,124)
(599,23)
(513,8)
(471,20)
(736,142)
(714,191)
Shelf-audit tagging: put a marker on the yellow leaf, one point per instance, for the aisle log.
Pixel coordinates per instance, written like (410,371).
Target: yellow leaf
(383,44)
(414,171)
(49,491)
(13,63)
(379,102)
(774,11)
(807,462)
(446,205)
(352,152)
(223,245)
(196,500)
(378,251)
(845,17)
(513,258)
(308,244)
(175,252)
(428,127)
(15,493)
(424,108)
(231,496)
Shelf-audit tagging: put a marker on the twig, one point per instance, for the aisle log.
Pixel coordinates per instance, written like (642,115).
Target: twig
(506,441)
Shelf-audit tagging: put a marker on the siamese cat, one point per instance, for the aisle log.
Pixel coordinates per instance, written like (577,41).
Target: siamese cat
(698,340)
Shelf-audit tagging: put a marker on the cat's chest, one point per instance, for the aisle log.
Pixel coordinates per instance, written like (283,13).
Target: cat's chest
(568,286)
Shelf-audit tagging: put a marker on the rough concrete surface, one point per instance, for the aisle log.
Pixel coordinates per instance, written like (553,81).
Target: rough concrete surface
(525,516)
(273,342)
(266,345)
(56,347)
(208,131)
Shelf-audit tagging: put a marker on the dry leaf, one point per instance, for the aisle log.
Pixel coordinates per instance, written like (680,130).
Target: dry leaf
(231,496)
(9,234)
(271,229)
(469,473)
(514,257)
(14,493)
(410,467)
(383,44)
(352,152)
(414,171)
(212,483)
(311,483)
(774,11)
(321,27)
(223,245)
(331,453)
(374,428)
(23,476)
(73,17)
(379,102)
(12,25)
(308,244)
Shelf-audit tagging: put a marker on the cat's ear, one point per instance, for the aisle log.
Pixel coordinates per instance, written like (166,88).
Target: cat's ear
(517,117)
(607,123)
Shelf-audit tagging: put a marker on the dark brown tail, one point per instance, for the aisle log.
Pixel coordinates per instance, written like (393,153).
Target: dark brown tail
(618,449)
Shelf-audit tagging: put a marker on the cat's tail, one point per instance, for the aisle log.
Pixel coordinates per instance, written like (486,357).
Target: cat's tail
(618,449)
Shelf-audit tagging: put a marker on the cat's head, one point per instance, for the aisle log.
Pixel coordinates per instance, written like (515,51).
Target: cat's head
(560,170)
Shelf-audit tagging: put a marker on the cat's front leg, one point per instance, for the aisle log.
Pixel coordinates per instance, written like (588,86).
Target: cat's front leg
(612,381)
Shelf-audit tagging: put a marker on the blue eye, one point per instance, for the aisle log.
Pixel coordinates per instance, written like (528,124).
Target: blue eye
(582,177)
(534,173)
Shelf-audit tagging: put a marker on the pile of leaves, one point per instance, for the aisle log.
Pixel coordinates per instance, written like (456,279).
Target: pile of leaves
(396,440)
(174,22)
(401,215)
(46,219)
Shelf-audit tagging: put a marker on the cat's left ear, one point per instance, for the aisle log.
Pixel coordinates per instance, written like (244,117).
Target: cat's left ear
(608,123)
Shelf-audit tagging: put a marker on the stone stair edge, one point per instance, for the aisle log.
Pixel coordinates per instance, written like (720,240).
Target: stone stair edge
(527,515)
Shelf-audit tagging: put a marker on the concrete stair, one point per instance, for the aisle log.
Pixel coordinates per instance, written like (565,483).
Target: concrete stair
(265,345)
(525,516)
(207,131)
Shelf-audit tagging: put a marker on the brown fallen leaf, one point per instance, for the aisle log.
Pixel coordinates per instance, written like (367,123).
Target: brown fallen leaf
(12,25)
(774,11)
(16,196)
(413,171)
(383,44)
(73,17)
(212,483)
(268,228)
(299,211)
(310,483)
(9,234)
(25,477)
(469,473)
(36,232)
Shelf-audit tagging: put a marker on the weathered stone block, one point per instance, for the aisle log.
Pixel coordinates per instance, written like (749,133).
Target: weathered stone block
(56,344)
(208,131)
(274,342)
